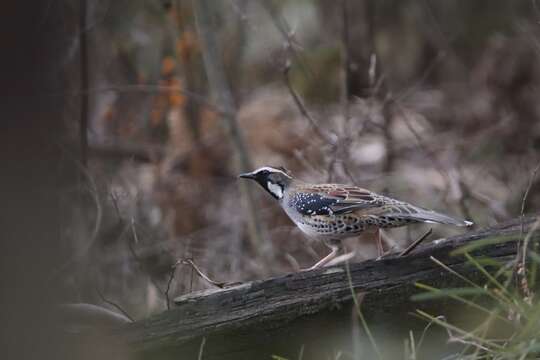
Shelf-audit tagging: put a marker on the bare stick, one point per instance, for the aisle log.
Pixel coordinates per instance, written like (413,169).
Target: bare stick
(437,164)
(521,269)
(112,303)
(141,88)
(346,60)
(415,243)
(169,282)
(205,277)
(424,146)
(283,27)
(529,186)
(114,200)
(318,131)
(137,257)
(93,190)
(83,130)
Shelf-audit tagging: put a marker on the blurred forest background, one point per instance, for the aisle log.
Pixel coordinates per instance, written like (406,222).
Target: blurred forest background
(432,102)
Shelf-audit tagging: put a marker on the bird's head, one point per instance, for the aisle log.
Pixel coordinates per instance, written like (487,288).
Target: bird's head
(273,179)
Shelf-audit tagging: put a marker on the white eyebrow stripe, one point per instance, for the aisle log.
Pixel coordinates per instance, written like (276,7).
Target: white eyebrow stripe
(271,169)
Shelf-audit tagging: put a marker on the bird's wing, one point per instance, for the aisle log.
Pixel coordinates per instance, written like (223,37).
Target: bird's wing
(327,199)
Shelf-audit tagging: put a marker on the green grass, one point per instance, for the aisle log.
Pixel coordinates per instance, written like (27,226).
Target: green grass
(509,325)
(500,307)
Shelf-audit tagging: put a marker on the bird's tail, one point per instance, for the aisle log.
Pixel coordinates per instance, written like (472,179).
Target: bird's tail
(430,216)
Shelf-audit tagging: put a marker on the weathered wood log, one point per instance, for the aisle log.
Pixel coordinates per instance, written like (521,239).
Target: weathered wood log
(312,312)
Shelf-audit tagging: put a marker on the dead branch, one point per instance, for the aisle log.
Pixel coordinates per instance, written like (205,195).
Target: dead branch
(113,304)
(83,58)
(93,190)
(346,61)
(205,277)
(288,35)
(415,243)
(168,288)
(314,125)
(521,267)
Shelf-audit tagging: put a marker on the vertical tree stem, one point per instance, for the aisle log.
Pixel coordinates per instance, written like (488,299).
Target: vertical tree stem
(346,59)
(204,12)
(83,130)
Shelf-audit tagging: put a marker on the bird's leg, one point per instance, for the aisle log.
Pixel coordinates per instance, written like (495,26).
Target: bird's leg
(335,246)
(380,249)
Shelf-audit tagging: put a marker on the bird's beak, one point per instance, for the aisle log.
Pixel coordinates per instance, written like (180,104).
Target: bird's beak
(247,176)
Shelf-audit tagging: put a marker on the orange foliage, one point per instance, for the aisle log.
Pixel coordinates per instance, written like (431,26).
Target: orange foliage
(187,46)
(176,98)
(168,65)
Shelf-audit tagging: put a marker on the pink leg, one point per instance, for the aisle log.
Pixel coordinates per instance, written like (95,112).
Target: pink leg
(380,249)
(335,249)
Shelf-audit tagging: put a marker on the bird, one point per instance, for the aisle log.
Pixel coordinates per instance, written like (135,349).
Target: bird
(333,212)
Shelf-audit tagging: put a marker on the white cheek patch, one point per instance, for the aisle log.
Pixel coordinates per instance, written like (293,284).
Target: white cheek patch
(275,189)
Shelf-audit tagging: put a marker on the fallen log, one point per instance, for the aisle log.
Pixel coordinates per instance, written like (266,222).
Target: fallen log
(311,314)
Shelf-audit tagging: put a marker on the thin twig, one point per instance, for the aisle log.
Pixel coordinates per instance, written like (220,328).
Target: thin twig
(83,130)
(205,277)
(464,194)
(435,161)
(93,190)
(389,158)
(521,268)
(346,61)
(141,264)
(150,88)
(171,278)
(342,149)
(424,146)
(131,88)
(423,77)
(112,303)
(201,348)
(114,200)
(288,34)
(415,243)
(318,131)
(138,259)
(529,186)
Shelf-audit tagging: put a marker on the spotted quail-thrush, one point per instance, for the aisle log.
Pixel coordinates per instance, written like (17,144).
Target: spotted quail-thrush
(333,212)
